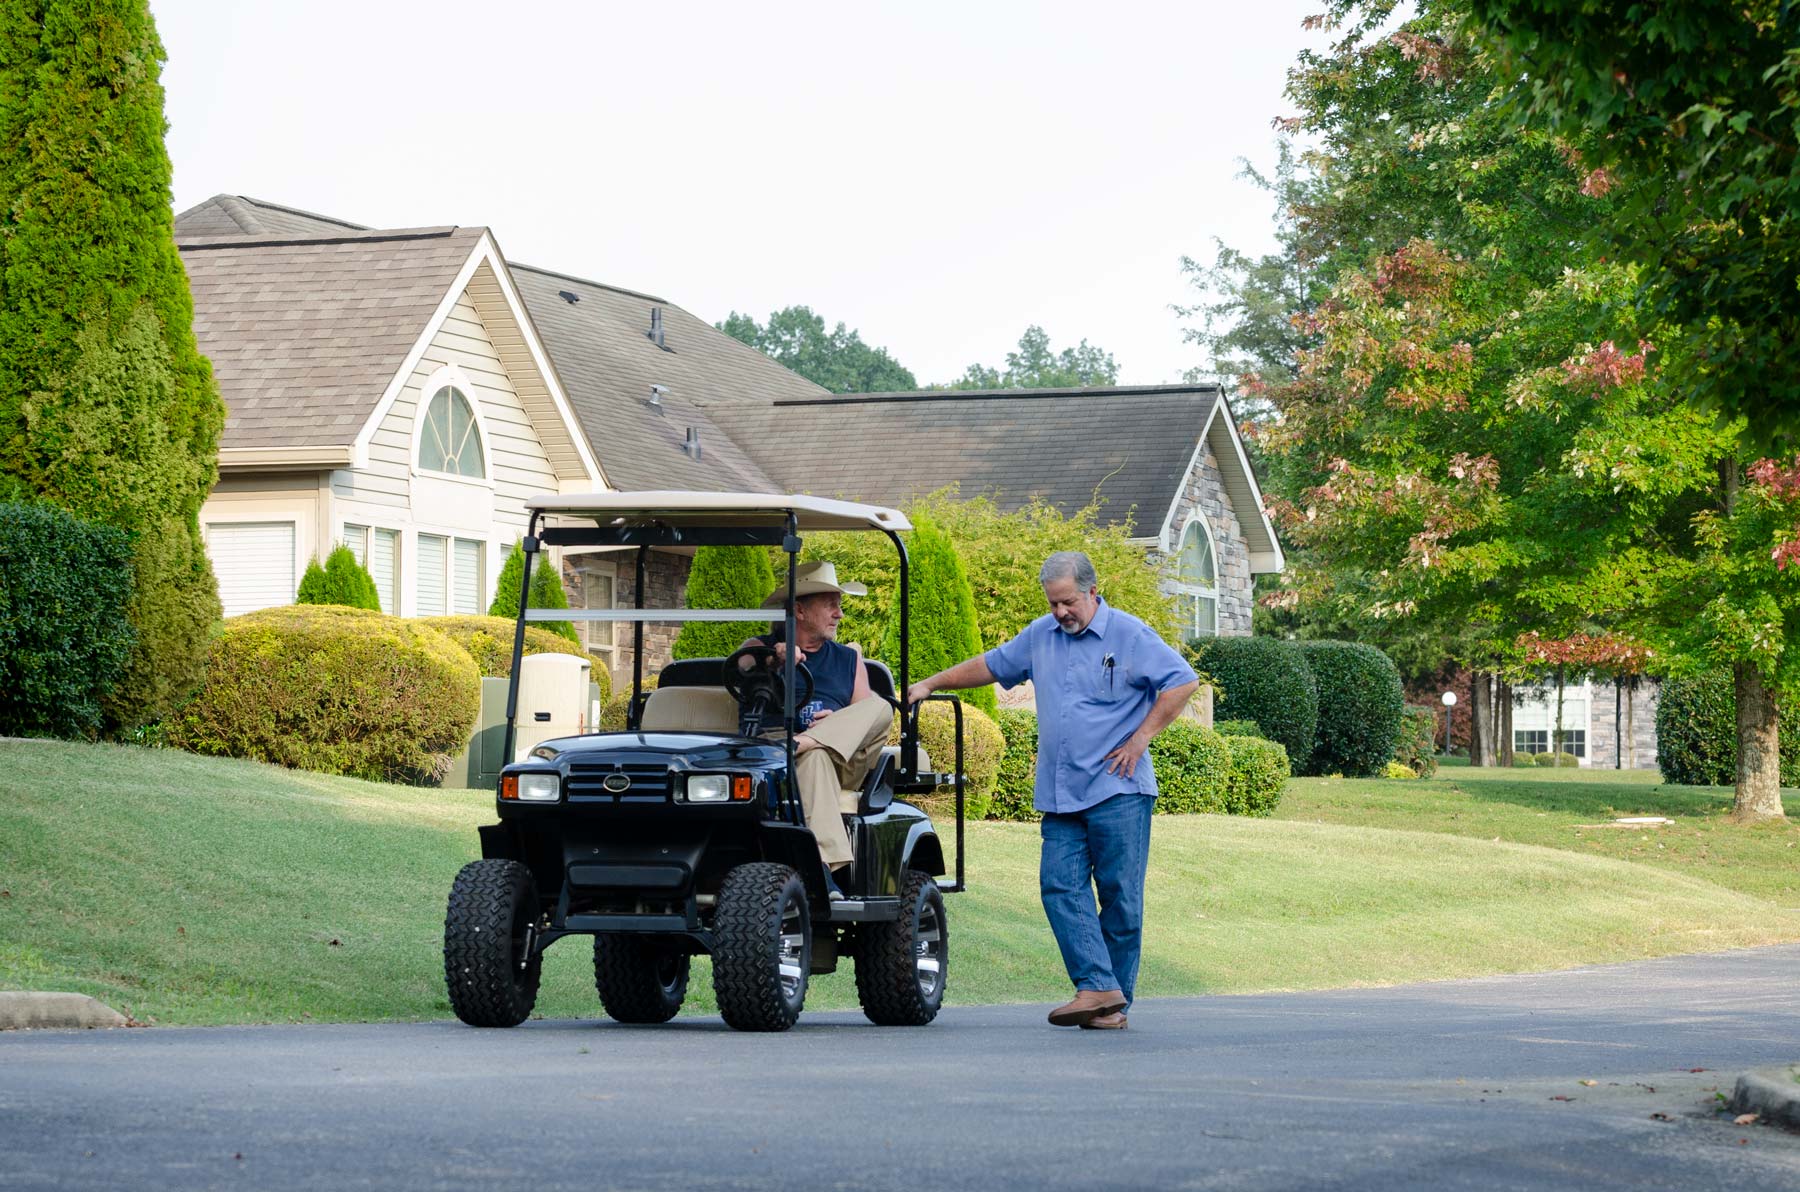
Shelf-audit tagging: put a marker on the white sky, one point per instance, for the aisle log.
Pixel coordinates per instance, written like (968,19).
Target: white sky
(936,175)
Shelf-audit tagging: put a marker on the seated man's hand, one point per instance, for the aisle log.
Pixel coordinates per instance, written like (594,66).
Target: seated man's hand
(820,714)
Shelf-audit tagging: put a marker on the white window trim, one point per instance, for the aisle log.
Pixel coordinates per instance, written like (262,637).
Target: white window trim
(610,653)
(399,533)
(450,376)
(1212,545)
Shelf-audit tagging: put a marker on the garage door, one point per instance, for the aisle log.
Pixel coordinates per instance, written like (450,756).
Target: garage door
(254,562)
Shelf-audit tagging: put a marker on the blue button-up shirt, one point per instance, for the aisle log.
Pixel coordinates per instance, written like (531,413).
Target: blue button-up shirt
(1094,689)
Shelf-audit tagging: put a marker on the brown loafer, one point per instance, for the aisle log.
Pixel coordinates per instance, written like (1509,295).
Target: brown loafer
(1106,1022)
(1088,1005)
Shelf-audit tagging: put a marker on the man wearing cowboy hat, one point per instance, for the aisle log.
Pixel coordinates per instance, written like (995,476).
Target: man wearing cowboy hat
(840,731)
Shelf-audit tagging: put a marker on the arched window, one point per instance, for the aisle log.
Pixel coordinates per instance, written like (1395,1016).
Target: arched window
(448,438)
(1196,581)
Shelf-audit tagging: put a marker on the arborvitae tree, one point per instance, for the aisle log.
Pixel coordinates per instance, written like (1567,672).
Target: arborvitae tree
(943,629)
(723,577)
(546,591)
(107,407)
(341,581)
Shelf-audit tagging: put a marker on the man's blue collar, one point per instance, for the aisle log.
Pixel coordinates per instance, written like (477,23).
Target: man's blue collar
(1102,618)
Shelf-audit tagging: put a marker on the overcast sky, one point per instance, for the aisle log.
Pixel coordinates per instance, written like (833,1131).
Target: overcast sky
(938,176)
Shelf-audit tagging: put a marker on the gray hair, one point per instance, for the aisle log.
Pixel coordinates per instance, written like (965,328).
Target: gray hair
(1069,564)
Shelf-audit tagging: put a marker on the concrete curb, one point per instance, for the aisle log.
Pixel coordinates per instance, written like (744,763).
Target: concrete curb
(1774,1093)
(56,1011)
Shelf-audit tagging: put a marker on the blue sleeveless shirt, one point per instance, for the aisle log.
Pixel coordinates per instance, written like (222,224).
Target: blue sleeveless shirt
(833,668)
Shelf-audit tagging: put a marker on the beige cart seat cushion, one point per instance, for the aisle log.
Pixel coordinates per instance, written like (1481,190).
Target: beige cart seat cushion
(690,709)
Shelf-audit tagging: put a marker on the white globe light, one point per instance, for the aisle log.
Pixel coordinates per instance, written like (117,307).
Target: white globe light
(1449,699)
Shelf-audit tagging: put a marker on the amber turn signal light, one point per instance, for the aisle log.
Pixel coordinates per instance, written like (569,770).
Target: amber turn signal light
(509,787)
(740,788)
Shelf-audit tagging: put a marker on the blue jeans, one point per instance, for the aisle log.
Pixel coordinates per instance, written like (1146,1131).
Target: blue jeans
(1103,850)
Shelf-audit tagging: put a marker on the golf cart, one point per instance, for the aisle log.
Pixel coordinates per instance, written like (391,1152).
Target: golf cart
(684,834)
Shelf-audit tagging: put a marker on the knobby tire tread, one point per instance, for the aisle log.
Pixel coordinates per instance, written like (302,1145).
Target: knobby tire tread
(486,988)
(746,939)
(625,978)
(887,983)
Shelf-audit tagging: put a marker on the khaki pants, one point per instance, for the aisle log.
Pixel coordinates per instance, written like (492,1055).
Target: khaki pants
(850,741)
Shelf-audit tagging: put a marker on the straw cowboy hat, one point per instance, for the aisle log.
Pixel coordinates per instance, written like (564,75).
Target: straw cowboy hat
(812,579)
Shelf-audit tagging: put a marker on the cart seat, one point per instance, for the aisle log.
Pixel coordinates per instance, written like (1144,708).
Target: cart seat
(690,709)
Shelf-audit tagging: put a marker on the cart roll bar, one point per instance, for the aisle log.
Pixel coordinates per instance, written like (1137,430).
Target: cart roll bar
(961,781)
(790,542)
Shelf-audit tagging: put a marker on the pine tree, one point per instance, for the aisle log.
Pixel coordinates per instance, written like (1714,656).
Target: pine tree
(546,591)
(723,577)
(341,581)
(943,630)
(107,407)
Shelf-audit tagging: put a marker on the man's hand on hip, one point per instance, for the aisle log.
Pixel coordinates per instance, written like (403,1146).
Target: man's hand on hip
(1123,760)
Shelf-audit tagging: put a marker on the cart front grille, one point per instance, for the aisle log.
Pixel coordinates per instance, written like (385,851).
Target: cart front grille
(645,782)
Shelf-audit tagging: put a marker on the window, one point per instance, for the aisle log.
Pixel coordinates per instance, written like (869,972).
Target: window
(450,575)
(1538,740)
(597,579)
(378,550)
(1196,583)
(254,562)
(448,438)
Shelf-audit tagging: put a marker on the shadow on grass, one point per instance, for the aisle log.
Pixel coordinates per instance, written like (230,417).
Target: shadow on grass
(1594,794)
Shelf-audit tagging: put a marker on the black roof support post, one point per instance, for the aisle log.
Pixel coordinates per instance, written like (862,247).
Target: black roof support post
(530,547)
(909,717)
(637,646)
(791,544)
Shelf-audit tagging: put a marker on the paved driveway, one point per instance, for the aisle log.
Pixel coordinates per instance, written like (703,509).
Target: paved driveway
(1467,1084)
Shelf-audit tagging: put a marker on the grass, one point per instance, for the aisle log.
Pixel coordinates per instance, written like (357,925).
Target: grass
(195,890)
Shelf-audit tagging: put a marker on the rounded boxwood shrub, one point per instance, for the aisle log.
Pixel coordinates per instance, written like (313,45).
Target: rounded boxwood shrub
(1360,698)
(489,641)
(612,712)
(1259,775)
(1193,769)
(1696,732)
(1239,728)
(65,585)
(1264,679)
(1015,790)
(1564,759)
(337,690)
(983,745)
(1416,745)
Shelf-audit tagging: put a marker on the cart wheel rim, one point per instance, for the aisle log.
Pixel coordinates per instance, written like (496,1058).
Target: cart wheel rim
(791,955)
(928,948)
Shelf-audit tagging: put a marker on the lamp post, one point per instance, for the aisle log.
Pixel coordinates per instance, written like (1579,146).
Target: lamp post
(1449,715)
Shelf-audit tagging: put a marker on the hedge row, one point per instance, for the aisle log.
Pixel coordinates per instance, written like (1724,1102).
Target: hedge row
(1696,733)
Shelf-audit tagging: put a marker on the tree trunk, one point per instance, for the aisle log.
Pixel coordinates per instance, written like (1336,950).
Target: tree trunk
(1631,723)
(1759,758)
(1618,716)
(1503,705)
(1556,738)
(1481,724)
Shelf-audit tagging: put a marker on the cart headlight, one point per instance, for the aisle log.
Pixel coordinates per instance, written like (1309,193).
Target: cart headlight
(540,788)
(708,788)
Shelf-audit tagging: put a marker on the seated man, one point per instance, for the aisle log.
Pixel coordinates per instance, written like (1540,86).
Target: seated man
(841,729)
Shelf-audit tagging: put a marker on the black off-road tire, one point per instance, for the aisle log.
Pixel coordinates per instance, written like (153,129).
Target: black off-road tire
(761,905)
(638,981)
(491,904)
(901,966)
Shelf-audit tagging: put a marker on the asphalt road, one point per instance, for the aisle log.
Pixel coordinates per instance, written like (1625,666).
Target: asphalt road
(1467,1084)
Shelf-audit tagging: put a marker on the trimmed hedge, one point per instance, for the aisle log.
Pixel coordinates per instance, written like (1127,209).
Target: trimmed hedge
(65,584)
(1259,775)
(1549,760)
(341,581)
(1239,728)
(1264,679)
(723,577)
(1360,700)
(489,641)
(1193,769)
(983,747)
(612,712)
(1015,789)
(1415,747)
(1696,733)
(337,690)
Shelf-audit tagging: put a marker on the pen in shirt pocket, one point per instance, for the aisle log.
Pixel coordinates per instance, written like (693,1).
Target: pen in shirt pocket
(1107,662)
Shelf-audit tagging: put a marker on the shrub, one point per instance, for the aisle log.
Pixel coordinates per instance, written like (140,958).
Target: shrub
(1264,679)
(723,577)
(64,638)
(341,581)
(612,712)
(1360,699)
(1259,774)
(1556,759)
(943,630)
(1522,761)
(1238,728)
(983,746)
(1415,747)
(1397,769)
(338,690)
(1015,788)
(1193,769)
(1696,732)
(546,591)
(489,641)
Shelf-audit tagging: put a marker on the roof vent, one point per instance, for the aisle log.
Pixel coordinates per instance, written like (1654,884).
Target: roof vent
(566,296)
(656,396)
(692,446)
(655,334)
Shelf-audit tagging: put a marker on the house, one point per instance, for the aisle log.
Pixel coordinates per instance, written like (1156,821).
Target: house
(403,390)
(1606,725)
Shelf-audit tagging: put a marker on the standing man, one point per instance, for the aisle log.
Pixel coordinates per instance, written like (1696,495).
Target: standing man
(1106,685)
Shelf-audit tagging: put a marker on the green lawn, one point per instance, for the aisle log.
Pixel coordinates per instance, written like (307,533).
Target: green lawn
(195,890)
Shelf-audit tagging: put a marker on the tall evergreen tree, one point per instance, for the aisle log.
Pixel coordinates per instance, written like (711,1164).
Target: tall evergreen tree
(546,591)
(723,577)
(107,407)
(943,630)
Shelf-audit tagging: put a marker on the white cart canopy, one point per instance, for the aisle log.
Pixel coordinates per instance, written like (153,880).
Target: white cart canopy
(685,509)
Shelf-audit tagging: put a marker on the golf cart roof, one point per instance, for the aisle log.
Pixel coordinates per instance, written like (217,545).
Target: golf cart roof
(688,509)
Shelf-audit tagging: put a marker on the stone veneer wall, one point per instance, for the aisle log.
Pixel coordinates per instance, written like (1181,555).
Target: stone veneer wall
(1640,747)
(665,584)
(1205,491)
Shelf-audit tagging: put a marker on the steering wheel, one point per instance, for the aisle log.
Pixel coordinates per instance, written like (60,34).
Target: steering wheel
(758,688)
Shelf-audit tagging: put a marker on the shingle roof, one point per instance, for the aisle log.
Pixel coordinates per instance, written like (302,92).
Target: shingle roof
(1130,445)
(306,327)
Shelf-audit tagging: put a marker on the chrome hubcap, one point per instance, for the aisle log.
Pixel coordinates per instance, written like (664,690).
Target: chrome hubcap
(928,950)
(791,960)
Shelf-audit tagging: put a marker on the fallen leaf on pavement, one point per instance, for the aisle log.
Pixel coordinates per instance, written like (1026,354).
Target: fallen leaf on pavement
(1560,1098)
(1590,1083)
(1661,1117)
(1696,1069)
(1745,1119)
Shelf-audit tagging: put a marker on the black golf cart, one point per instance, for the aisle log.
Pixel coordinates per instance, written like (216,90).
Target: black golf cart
(684,833)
